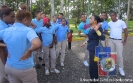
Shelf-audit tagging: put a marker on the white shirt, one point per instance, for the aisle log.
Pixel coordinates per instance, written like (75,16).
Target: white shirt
(116,29)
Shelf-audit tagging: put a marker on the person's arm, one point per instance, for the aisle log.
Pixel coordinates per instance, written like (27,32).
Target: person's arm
(106,29)
(1,38)
(81,35)
(2,45)
(125,36)
(124,26)
(99,32)
(53,41)
(33,25)
(36,43)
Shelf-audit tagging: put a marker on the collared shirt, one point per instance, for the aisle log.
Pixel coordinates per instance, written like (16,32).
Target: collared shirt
(38,23)
(47,34)
(59,21)
(116,29)
(61,32)
(3,25)
(18,39)
(105,25)
(84,27)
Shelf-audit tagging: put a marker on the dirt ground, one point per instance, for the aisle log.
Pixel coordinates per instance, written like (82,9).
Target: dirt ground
(75,72)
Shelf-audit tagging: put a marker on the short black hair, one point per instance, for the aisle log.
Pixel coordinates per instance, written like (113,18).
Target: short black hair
(113,12)
(5,10)
(104,13)
(54,16)
(83,14)
(98,19)
(61,14)
(38,11)
(63,19)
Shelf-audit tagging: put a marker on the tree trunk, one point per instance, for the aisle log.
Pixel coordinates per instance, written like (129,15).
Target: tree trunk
(52,8)
(119,10)
(128,10)
(61,6)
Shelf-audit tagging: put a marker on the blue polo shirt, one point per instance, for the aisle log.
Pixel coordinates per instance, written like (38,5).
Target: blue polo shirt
(54,25)
(3,25)
(18,39)
(105,25)
(38,23)
(81,27)
(59,21)
(61,32)
(47,34)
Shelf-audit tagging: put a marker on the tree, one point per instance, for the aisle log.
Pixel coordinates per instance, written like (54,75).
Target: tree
(52,8)
(61,6)
(128,10)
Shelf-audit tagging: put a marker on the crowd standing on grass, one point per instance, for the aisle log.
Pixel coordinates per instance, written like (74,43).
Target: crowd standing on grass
(21,36)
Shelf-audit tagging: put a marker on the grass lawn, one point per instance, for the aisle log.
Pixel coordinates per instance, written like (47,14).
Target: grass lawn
(130,24)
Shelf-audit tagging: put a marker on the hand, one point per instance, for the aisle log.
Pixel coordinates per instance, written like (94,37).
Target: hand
(55,41)
(26,55)
(51,46)
(96,27)
(83,44)
(124,42)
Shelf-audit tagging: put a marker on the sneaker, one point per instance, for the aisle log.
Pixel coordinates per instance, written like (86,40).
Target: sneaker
(40,58)
(86,63)
(55,71)
(65,53)
(62,64)
(122,73)
(37,66)
(46,72)
(42,50)
(59,53)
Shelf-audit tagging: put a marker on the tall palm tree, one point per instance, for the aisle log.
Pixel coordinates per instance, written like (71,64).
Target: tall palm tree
(128,10)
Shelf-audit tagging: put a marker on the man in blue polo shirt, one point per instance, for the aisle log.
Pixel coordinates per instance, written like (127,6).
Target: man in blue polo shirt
(84,27)
(60,16)
(62,31)
(104,26)
(38,21)
(48,36)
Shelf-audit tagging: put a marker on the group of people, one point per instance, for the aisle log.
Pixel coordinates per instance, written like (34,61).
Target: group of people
(95,29)
(21,35)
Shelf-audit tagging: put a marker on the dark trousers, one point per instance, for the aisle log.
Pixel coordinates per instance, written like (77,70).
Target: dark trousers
(93,68)
(69,45)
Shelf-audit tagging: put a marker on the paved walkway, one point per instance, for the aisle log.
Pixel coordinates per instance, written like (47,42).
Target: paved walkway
(75,72)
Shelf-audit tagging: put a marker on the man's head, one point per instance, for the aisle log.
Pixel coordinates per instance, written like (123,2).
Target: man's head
(104,15)
(38,14)
(7,14)
(63,21)
(60,16)
(54,18)
(43,15)
(83,17)
(113,16)
(47,22)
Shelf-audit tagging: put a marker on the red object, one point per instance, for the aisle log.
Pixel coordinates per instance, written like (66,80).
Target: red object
(101,72)
(70,37)
(45,20)
(86,26)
